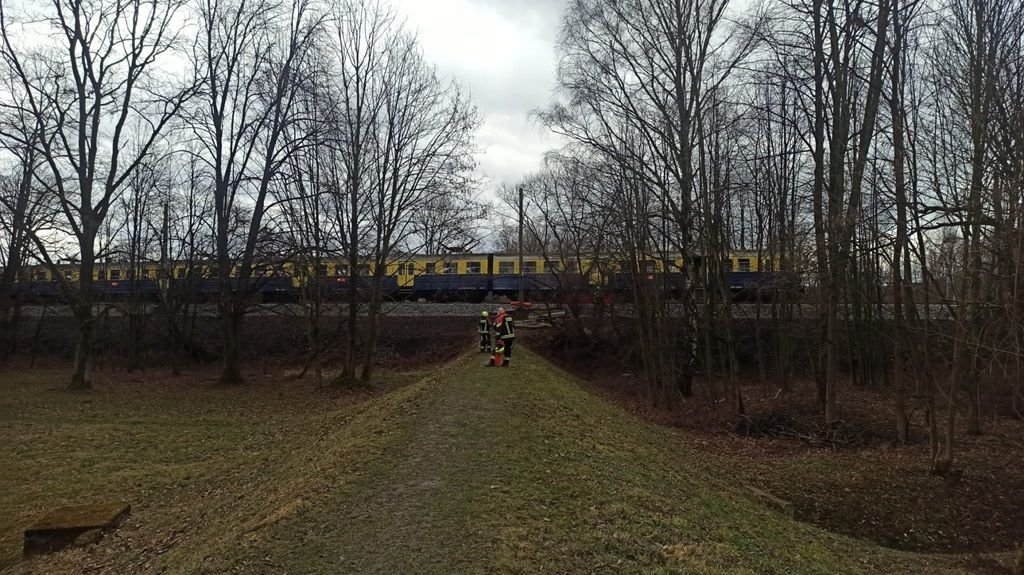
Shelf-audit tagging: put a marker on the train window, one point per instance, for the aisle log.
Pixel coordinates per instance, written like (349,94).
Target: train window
(451,268)
(431,268)
(115,275)
(40,276)
(101,275)
(322,270)
(506,267)
(343,270)
(727,264)
(473,267)
(551,266)
(744,264)
(530,267)
(400,269)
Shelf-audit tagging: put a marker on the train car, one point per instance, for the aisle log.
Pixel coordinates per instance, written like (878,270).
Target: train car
(339,287)
(451,277)
(452,287)
(442,277)
(124,290)
(40,292)
(472,277)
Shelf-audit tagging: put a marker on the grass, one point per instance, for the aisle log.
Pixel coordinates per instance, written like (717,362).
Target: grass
(470,470)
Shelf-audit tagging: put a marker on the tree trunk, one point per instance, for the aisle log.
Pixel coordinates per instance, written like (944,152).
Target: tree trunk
(349,370)
(830,358)
(899,172)
(81,377)
(817,196)
(231,370)
(136,318)
(314,336)
(974,408)
(899,391)
(7,327)
(372,326)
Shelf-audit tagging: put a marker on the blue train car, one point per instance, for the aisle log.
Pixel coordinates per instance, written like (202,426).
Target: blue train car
(41,291)
(533,284)
(473,287)
(120,290)
(266,289)
(338,287)
(273,288)
(741,284)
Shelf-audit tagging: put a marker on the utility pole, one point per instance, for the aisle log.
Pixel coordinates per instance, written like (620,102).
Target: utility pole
(166,274)
(521,278)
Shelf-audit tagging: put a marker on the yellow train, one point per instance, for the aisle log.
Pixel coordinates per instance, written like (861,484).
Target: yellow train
(457,276)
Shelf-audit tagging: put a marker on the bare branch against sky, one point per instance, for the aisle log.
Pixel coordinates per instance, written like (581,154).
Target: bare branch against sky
(503,52)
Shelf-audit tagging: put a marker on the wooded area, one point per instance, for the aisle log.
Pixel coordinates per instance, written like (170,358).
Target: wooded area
(223,138)
(872,149)
(869,152)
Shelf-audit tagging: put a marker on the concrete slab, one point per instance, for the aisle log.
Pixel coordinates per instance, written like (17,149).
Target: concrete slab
(76,524)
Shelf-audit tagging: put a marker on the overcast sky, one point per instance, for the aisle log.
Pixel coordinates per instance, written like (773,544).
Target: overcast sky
(503,51)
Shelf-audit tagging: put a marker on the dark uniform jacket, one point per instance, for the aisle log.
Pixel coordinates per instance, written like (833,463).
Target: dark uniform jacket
(505,327)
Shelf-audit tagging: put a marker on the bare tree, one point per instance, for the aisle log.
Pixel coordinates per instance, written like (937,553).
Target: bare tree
(135,247)
(423,149)
(186,247)
(563,211)
(253,56)
(84,90)
(976,43)
(20,214)
(636,75)
(448,219)
(310,231)
(361,41)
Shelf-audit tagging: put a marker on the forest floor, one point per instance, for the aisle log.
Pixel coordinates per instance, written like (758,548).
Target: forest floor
(459,469)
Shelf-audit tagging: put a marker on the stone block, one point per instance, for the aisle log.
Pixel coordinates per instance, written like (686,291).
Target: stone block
(76,525)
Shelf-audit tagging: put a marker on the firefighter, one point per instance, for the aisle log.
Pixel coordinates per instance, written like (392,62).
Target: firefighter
(506,333)
(484,329)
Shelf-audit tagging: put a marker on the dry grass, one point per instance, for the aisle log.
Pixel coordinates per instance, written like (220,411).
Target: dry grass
(201,465)
(470,470)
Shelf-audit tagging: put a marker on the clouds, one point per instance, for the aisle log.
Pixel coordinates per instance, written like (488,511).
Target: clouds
(503,52)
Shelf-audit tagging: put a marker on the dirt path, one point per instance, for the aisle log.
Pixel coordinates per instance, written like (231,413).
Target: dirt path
(431,488)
